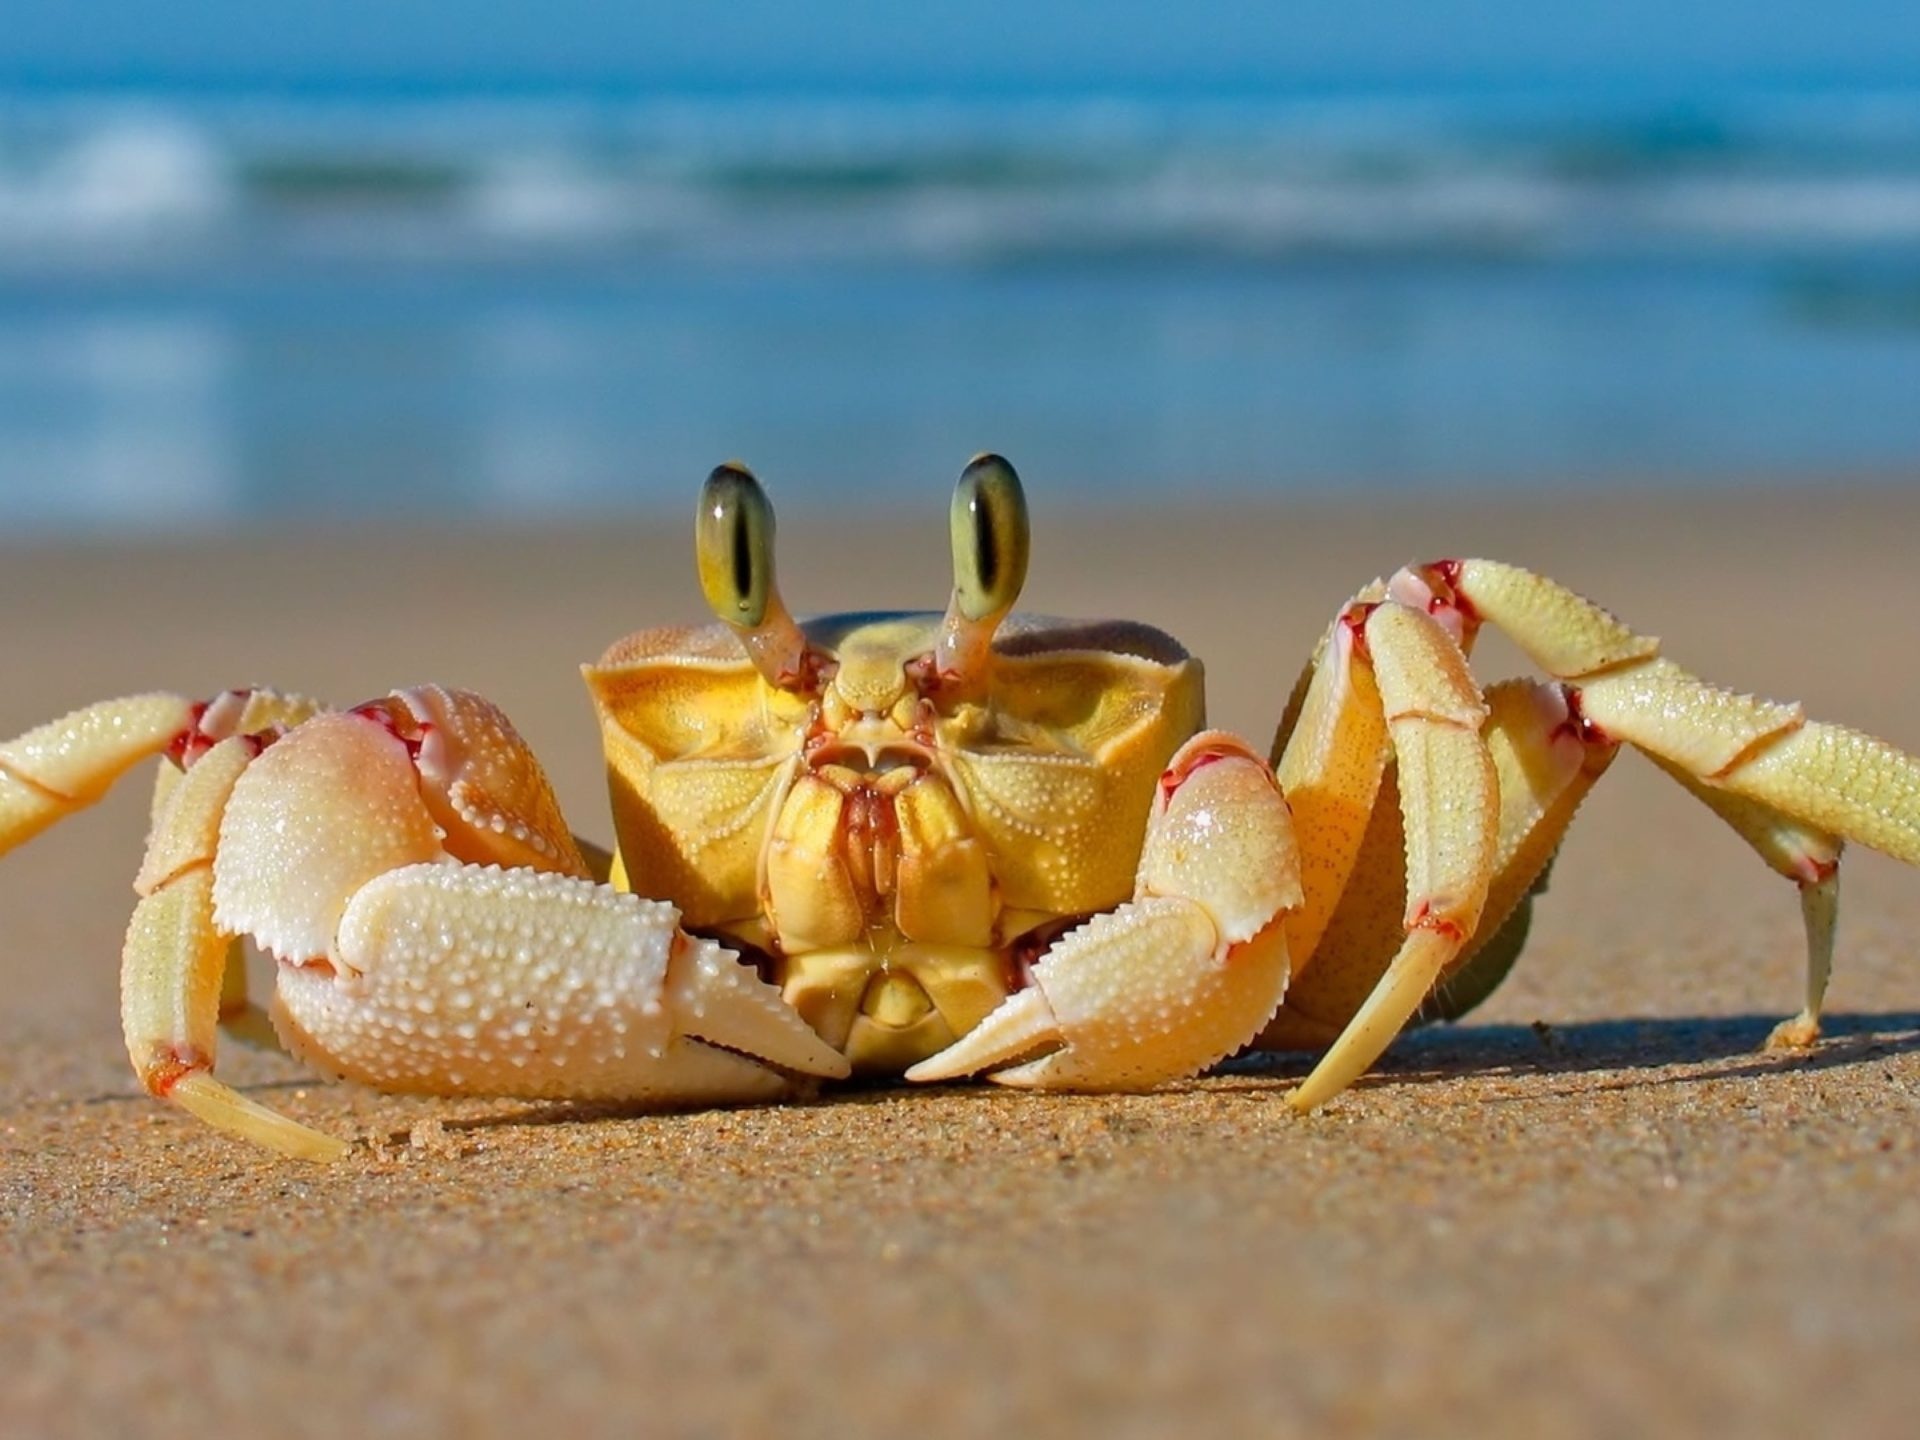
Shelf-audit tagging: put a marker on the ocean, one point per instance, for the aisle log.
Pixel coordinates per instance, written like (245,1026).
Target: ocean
(228,309)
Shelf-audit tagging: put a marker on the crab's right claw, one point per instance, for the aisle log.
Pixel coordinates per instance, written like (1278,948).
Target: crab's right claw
(1182,975)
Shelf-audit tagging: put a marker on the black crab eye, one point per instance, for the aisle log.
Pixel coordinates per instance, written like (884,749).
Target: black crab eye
(990,538)
(733,541)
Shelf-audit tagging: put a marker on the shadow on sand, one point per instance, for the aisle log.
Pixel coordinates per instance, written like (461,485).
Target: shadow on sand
(1692,1048)
(1695,1047)
(1688,1048)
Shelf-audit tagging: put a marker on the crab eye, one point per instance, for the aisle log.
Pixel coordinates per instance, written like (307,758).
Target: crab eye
(989,527)
(734,541)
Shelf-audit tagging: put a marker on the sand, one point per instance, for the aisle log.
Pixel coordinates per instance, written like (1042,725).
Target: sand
(1595,1209)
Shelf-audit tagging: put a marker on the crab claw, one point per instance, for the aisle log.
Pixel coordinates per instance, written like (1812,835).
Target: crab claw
(424,775)
(1182,975)
(323,811)
(478,778)
(464,979)
(343,851)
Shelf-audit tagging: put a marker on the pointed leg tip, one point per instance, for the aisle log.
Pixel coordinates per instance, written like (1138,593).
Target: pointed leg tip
(227,1110)
(1796,1034)
(1322,1086)
(1300,1102)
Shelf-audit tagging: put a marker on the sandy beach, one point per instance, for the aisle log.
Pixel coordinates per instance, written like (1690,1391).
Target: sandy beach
(1594,1209)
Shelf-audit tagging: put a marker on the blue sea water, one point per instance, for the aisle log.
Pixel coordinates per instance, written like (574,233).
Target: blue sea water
(229,308)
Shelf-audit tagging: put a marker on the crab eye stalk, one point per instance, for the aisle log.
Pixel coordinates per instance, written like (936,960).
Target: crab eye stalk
(988,523)
(989,526)
(733,542)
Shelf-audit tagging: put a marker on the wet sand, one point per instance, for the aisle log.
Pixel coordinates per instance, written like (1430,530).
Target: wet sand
(1594,1208)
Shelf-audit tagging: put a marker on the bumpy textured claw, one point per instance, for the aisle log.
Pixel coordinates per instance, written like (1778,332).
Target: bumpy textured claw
(479,780)
(425,775)
(459,979)
(1182,975)
(315,818)
(408,967)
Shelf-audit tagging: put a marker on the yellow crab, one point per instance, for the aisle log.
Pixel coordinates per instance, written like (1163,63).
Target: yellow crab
(925,844)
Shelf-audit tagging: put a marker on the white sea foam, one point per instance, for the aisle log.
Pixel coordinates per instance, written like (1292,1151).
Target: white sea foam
(546,196)
(1840,210)
(124,178)
(938,179)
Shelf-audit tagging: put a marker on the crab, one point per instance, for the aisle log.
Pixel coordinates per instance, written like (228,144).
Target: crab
(932,845)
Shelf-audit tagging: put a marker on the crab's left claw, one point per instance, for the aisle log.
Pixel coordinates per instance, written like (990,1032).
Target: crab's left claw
(1182,975)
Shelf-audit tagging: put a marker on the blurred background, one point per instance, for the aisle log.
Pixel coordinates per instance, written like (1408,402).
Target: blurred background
(261,264)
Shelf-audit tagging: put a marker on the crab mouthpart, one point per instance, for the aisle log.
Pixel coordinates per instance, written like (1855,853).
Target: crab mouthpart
(895,1000)
(885,1015)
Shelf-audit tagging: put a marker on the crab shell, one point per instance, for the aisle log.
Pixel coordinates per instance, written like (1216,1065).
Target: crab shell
(894,853)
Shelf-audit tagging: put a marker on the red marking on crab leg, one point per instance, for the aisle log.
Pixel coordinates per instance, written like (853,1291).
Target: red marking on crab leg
(1577,724)
(1814,871)
(169,1064)
(391,714)
(261,715)
(1435,590)
(1353,626)
(190,744)
(1424,918)
(1447,573)
(1202,751)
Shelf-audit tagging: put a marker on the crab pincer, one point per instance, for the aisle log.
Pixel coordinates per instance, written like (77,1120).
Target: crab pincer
(364,851)
(1180,976)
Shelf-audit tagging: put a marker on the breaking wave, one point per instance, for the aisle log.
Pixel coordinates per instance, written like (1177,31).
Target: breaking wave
(84,180)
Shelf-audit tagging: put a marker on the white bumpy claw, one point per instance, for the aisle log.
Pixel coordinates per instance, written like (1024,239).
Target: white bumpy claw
(404,968)
(1182,975)
(461,979)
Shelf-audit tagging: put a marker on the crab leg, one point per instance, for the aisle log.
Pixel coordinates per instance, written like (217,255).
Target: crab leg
(1330,756)
(256,712)
(68,764)
(175,958)
(1450,810)
(1791,787)
(1180,976)
(1544,763)
(1808,857)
